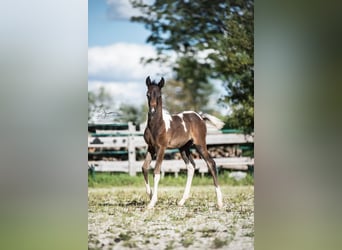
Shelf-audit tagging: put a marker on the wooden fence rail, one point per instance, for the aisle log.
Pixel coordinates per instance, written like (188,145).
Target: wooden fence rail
(132,140)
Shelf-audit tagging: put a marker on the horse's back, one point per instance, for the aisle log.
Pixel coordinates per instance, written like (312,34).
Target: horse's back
(194,120)
(192,115)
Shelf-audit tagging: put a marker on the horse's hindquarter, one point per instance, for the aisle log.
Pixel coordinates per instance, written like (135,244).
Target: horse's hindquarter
(194,122)
(183,127)
(197,127)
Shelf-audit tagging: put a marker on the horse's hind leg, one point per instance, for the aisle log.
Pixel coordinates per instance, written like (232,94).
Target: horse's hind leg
(202,150)
(145,168)
(186,155)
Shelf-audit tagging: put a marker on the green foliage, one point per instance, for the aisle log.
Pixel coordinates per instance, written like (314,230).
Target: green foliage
(196,87)
(187,95)
(134,114)
(242,117)
(108,179)
(102,101)
(91,103)
(99,100)
(123,179)
(213,39)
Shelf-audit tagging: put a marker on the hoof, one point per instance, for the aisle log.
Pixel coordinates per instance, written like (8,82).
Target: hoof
(149,207)
(151,204)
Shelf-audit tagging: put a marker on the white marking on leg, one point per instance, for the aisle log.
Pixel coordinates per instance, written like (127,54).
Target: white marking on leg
(155,192)
(186,194)
(148,190)
(180,115)
(219,197)
(167,119)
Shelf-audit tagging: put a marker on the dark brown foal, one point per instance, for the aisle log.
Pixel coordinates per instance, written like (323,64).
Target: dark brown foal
(174,131)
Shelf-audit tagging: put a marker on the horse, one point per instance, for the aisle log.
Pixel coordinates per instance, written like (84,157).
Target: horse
(174,131)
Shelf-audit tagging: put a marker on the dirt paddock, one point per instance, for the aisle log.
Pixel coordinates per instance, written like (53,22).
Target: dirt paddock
(118,219)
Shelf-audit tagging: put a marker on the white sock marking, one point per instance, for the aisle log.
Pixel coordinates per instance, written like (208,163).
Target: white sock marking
(155,191)
(219,197)
(148,189)
(186,194)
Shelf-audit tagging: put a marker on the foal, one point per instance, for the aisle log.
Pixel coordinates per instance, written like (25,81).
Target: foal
(174,131)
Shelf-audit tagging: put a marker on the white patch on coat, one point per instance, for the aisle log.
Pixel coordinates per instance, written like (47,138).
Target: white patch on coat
(167,119)
(180,115)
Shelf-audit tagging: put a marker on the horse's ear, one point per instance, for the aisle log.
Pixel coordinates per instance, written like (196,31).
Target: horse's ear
(148,81)
(161,83)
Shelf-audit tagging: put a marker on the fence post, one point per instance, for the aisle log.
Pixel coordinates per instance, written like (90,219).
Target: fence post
(131,149)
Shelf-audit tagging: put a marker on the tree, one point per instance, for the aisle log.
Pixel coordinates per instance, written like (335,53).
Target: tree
(99,100)
(190,89)
(100,107)
(213,39)
(134,114)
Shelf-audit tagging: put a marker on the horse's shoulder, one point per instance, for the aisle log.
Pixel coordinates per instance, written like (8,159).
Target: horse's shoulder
(147,135)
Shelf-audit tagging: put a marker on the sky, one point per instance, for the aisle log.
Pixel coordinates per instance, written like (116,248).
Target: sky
(115,48)
(109,23)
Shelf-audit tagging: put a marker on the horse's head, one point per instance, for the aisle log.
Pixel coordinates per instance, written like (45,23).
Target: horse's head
(153,94)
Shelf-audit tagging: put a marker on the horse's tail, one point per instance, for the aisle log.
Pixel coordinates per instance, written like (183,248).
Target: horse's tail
(213,120)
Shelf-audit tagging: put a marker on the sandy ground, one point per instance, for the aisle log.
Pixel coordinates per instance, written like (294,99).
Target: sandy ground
(118,219)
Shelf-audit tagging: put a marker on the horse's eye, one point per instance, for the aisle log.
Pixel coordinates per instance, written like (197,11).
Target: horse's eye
(148,95)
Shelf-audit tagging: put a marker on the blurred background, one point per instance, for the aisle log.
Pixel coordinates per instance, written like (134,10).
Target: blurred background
(44,89)
(204,50)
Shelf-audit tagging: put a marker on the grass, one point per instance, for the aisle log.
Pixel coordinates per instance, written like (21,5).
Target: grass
(218,243)
(124,179)
(207,232)
(187,240)
(130,244)
(170,245)
(125,236)
(118,218)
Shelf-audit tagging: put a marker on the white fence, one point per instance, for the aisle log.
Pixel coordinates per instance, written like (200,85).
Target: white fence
(132,139)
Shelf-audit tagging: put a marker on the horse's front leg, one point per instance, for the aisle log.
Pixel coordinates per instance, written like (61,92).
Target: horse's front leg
(160,156)
(145,168)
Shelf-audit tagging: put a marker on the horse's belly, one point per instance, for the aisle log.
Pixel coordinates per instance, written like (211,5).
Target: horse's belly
(177,143)
(174,145)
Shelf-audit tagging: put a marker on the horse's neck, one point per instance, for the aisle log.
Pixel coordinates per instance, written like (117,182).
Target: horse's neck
(155,121)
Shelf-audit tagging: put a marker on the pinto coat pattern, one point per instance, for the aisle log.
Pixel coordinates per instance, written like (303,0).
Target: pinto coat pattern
(174,131)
